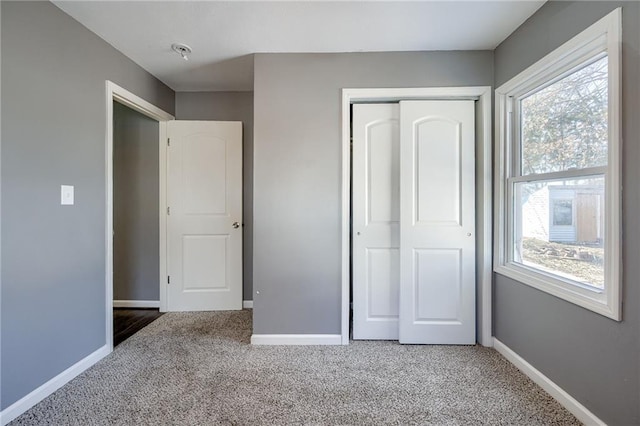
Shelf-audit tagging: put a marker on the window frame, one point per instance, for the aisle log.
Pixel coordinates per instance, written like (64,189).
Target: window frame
(603,38)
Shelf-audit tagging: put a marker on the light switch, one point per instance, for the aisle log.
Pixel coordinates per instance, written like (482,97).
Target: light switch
(66,195)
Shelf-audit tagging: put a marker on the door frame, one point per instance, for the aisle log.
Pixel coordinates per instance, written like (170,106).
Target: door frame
(483,195)
(125,97)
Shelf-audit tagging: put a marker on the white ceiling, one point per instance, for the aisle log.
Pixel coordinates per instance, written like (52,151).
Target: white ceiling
(223,34)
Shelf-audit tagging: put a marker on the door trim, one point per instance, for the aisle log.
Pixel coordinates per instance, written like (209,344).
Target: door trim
(124,97)
(482,94)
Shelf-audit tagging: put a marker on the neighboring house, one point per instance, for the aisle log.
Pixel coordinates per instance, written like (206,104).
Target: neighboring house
(565,213)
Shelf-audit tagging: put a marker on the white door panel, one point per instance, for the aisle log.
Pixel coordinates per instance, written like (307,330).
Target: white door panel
(376,213)
(204,178)
(199,272)
(437,231)
(204,172)
(436,155)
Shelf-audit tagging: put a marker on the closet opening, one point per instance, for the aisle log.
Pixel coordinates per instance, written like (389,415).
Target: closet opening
(416,204)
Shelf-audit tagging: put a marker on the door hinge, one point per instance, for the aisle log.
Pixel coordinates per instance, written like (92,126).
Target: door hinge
(168,279)
(168,141)
(168,210)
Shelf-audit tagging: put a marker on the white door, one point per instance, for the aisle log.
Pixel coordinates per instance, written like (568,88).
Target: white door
(376,215)
(204,226)
(437,222)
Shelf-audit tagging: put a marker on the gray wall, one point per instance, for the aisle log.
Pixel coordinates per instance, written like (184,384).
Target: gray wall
(230,106)
(136,223)
(297,172)
(53,133)
(593,358)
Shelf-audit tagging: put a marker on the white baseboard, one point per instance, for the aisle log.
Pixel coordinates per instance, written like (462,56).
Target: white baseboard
(136,303)
(567,401)
(296,339)
(28,401)
(247,304)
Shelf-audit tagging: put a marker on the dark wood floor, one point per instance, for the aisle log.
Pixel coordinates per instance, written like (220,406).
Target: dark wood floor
(126,322)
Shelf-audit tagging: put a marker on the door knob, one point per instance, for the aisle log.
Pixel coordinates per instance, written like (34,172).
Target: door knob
(236,225)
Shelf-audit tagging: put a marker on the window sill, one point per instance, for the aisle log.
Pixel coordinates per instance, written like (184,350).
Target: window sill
(592,299)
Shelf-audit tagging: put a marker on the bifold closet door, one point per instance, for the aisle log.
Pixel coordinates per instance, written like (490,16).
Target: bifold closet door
(437,222)
(376,216)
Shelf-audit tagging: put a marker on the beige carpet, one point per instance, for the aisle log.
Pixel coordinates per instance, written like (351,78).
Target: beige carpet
(199,369)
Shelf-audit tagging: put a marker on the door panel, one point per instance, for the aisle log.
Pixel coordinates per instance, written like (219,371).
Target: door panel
(205,177)
(437,300)
(204,184)
(437,171)
(382,277)
(382,184)
(376,213)
(437,222)
(199,272)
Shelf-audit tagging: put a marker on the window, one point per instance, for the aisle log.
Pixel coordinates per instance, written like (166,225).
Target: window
(558,203)
(562,212)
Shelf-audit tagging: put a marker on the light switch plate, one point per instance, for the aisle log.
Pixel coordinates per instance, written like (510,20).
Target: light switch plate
(66,195)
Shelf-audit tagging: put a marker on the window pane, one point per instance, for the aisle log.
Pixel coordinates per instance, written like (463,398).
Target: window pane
(564,125)
(562,211)
(559,228)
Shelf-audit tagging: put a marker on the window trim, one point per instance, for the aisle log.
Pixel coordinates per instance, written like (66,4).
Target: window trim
(602,38)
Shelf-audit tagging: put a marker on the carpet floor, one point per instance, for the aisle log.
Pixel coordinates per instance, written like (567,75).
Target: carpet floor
(199,369)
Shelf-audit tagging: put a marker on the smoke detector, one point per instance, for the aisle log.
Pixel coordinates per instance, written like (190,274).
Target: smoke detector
(182,49)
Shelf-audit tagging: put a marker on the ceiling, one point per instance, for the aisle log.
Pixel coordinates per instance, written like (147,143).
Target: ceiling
(224,34)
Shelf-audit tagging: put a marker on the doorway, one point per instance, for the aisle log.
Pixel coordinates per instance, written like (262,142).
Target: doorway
(136,227)
(124,98)
(194,144)
(482,98)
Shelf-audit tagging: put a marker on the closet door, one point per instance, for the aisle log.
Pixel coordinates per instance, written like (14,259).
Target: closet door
(376,215)
(437,222)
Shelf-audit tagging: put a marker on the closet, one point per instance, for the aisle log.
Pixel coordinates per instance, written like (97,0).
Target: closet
(413,225)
